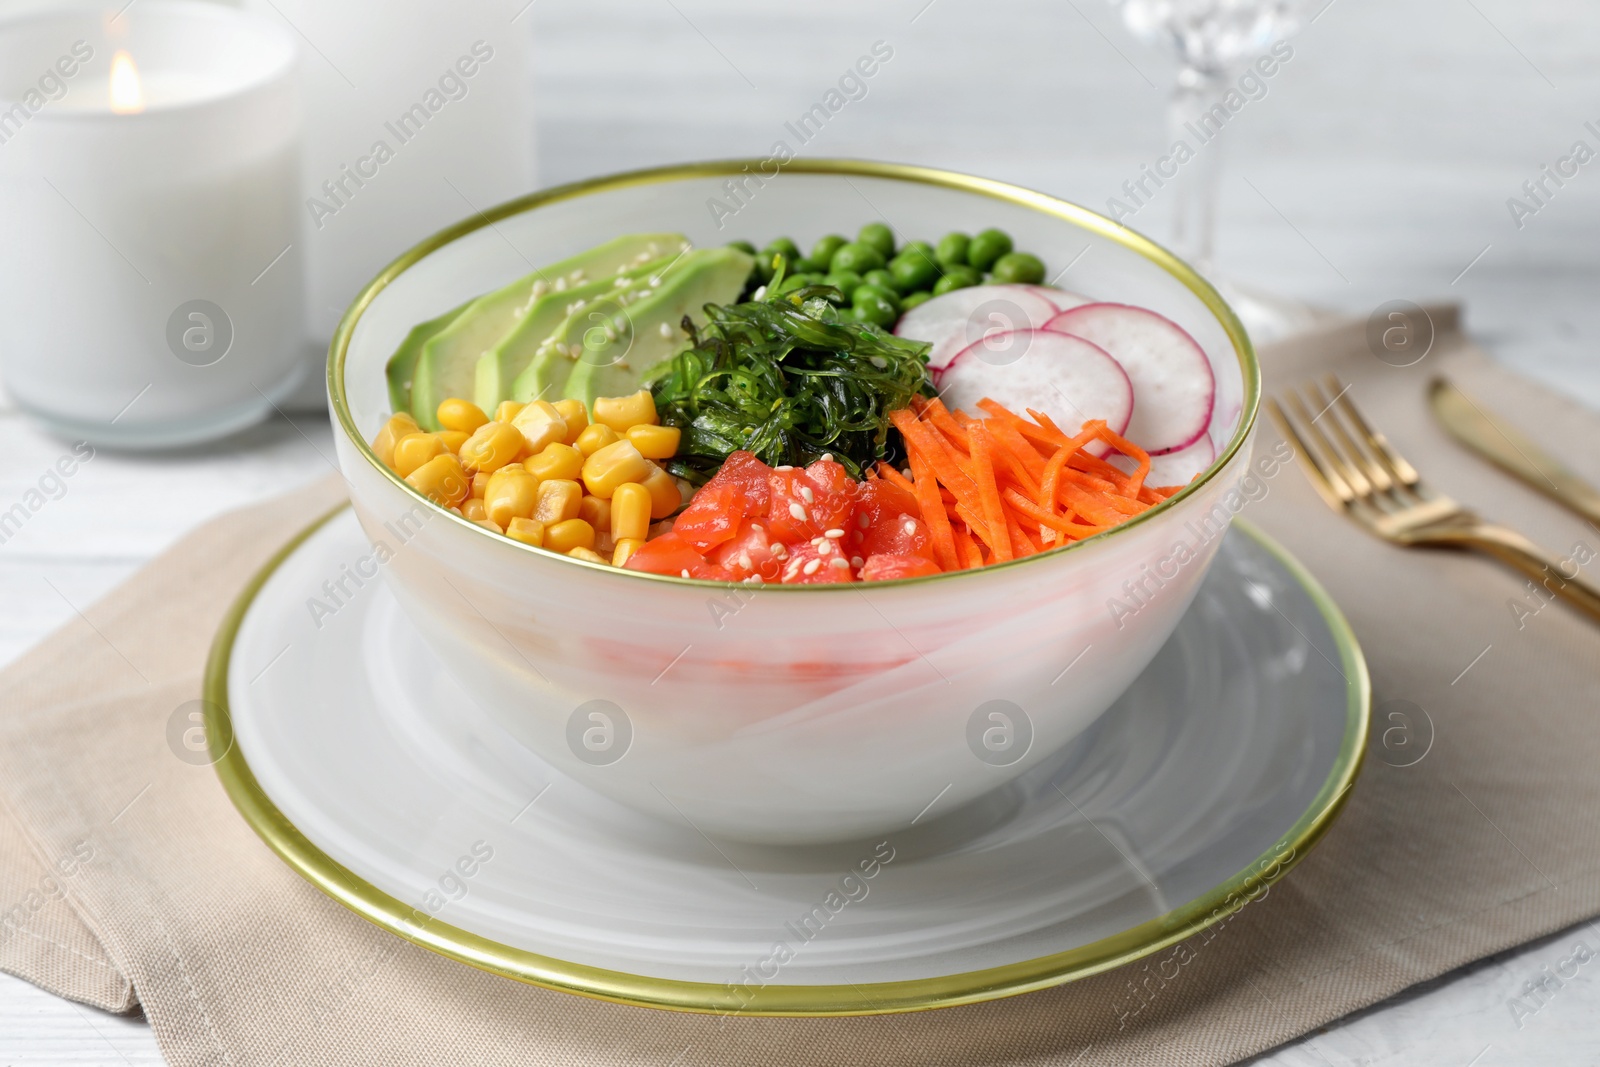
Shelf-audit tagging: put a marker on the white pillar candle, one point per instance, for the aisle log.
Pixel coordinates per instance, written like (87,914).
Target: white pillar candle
(150,277)
(419,114)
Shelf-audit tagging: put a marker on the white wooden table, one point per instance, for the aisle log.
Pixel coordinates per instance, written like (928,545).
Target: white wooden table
(1376,167)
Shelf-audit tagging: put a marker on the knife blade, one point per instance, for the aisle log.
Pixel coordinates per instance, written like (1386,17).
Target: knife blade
(1505,446)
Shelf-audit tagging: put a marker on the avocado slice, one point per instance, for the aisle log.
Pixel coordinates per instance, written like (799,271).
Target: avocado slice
(448,362)
(499,370)
(402,365)
(618,348)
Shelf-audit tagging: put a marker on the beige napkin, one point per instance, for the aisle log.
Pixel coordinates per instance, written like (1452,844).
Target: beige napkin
(1490,840)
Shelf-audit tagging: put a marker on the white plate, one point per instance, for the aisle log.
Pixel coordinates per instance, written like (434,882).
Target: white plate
(355,757)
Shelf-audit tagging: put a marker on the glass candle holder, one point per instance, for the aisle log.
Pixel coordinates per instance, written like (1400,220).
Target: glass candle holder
(151,289)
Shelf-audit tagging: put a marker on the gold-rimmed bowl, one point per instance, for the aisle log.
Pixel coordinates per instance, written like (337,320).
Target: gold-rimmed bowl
(788,714)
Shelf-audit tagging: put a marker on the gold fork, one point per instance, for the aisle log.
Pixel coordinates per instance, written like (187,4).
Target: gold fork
(1356,471)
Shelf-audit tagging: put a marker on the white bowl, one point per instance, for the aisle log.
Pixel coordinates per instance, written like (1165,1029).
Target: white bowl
(788,714)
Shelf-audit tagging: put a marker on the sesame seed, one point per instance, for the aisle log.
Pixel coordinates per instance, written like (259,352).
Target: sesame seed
(827,457)
(863,520)
(744,561)
(823,547)
(785,467)
(813,566)
(835,534)
(841,563)
(684,573)
(780,551)
(666,331)
(911,528)
(805,491)
(856,561)
(907,472)
(754,579)
(798,512)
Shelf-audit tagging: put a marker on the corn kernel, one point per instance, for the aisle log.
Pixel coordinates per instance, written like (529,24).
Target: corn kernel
(528,531)
(664,493)
(577,417)
(565,536)
(616,464)
(491,446)
(594,437)
(596,512)
(604,543)
(541,424)
(480,484)
(442,480)
(397,427)
(474,510)
(626,546)
(586,553)
(558,501)
(452,439)
(655,442)
(511,494)
(415,449)
(556,461)
(457,414)
(622,412)
(507,411)
(630,512)
(490,525)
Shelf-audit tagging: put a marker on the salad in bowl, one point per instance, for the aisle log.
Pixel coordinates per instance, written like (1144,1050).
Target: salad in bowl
(810,529)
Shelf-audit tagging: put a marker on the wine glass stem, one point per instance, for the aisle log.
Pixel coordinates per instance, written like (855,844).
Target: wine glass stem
(1194,121)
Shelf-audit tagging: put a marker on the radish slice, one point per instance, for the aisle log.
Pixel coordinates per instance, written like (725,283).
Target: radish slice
(1063,376)
(1063,299)
(1179,468)
(958,318)
(1171,375)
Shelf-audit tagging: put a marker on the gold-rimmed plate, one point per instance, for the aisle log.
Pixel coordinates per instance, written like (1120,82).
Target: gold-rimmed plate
(354,756)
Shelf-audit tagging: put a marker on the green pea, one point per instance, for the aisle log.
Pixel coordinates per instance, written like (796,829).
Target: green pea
(987,247)
(913,271)
(1019,268)
(822,252)
(804,265)
(784,247)
(872,305)
(922,248)
(911,300)
(960,276)
(878,236)
(843,280)
(882,279)
(743,246)
(952,250)
(857,257)
(869,291)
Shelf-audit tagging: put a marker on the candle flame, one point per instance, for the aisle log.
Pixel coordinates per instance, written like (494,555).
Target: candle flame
(127,93)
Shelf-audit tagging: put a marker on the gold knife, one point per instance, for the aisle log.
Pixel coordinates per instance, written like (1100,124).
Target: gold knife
(1506,447)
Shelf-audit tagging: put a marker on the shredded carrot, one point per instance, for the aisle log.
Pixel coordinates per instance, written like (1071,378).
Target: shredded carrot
(1005,487)
(988,492)
(1021,543)
(970,556)
(934,516)
(889,474)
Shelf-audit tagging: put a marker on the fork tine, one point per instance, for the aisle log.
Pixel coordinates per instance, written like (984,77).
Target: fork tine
(1403,472)
(1333,489)
(1352,477)
(1372,468)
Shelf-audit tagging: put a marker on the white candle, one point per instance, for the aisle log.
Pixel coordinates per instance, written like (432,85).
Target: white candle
(150,278)
(444,87)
